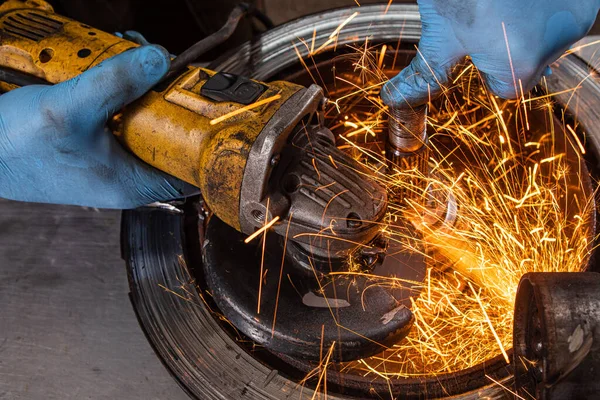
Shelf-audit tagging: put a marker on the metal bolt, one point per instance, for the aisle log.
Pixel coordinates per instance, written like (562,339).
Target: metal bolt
(323,103)
(407,131)
(275,160)
(353,221)
(406,147)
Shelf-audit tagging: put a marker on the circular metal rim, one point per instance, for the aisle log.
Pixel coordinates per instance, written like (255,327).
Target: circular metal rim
(187,317)
(268,54)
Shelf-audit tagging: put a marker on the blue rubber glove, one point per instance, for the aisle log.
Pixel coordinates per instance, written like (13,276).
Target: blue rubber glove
(55,146)
(538,32)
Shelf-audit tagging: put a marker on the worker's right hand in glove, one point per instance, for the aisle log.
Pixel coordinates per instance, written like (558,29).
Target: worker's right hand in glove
(508,41)
(55,146)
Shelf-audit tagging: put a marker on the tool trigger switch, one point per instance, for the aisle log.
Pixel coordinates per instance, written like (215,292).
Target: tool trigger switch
(229,87)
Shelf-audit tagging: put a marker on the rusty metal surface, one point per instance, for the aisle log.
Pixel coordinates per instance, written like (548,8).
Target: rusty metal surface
(557,318)
(67,329)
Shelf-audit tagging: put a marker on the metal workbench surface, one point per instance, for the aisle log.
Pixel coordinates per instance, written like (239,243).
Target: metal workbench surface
(67,328)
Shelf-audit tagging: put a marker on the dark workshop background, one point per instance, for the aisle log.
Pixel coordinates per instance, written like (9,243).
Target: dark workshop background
(67,329)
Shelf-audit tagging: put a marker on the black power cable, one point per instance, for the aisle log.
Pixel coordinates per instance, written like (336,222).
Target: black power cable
(262,17)
(196,50)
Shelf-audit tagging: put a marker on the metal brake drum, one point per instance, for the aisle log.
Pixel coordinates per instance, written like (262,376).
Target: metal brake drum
(163,249)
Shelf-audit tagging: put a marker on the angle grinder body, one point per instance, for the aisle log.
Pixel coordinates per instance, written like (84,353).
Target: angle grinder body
(175,127)
(259,153)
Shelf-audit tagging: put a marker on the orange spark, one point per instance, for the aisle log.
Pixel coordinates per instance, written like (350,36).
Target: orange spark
(512,70)
(579,144)
(388,6)
(261,230)
(342,25)
(244,109)
(487,319)
(381,56)
(287,231)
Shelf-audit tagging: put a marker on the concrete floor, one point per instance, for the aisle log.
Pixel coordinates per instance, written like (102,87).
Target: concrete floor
(67,328)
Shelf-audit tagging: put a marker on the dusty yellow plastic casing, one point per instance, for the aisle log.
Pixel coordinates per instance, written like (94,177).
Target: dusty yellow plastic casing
(170,128)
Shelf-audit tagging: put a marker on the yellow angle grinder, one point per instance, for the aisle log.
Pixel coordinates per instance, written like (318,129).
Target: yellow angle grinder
(260,154)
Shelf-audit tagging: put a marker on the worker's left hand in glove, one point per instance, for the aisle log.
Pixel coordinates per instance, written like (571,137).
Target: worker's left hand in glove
(511,42)
(55,146)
